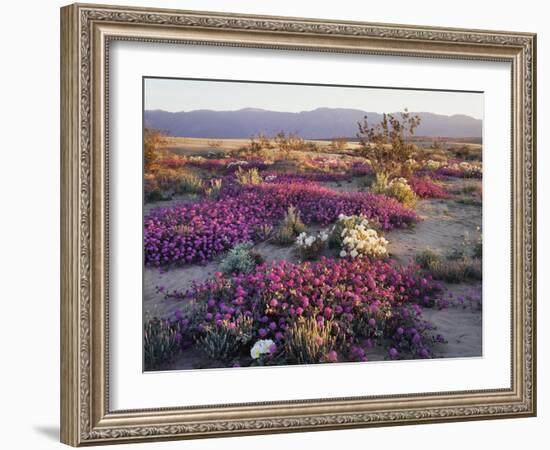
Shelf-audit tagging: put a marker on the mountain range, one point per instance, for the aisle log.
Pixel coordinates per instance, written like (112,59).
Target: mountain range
(320,123)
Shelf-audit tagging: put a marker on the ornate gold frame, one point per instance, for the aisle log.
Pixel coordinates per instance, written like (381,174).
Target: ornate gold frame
(86,31)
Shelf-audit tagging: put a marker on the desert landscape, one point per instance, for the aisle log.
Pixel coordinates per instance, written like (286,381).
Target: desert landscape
(330,235)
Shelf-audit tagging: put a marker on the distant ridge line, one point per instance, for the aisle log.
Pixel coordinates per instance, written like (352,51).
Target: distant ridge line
(319,123)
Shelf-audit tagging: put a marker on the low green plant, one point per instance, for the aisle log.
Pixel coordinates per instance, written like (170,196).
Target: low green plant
(213,188)
(262,232)
(290,227)
(240,258)
(250,176)
(160,342)
(223,342)
(456,269)
(309,341)
(188,183)
(427,258)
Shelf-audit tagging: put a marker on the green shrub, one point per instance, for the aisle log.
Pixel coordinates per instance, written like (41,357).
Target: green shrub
(427,258)
(457,269)
(224,342)
(397,188)
(309,342)
(188,183)
(213,188)
(160,342)
(240,258)
(290,227)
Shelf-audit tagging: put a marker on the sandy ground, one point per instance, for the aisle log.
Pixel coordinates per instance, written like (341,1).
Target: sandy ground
(442,228)
(199,146)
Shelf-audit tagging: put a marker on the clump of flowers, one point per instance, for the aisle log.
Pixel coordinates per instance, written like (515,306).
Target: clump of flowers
(262,347)
(353,302)
(356,238)
(310,246)
(462,169)
(425,188)
(240,258)
(197,232)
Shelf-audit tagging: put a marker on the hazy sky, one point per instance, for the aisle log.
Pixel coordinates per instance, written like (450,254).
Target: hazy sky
(188,95)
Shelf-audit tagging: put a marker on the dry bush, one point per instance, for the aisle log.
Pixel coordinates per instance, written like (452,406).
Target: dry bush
(387,145)
(339,145)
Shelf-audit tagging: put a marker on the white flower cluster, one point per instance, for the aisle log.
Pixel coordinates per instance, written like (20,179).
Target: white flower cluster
(270,178)
(358,239)
(260,348)
(237,163)
(466,167)
(305,240)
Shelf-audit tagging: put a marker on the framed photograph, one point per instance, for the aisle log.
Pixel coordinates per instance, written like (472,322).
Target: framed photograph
(276,224)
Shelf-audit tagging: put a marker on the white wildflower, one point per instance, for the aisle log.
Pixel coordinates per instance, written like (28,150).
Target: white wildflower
(261,347)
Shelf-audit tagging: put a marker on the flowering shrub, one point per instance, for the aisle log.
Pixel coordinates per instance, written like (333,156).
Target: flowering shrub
(345,292)
(310,246)
(425,188)
(357,239)
(199,231)
(397,188)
